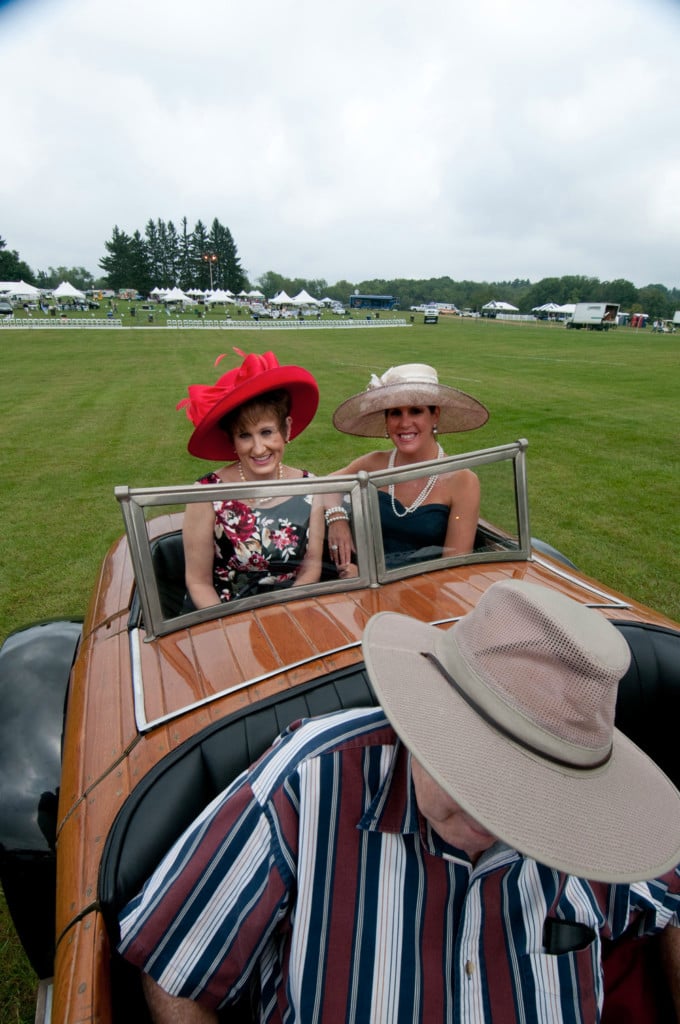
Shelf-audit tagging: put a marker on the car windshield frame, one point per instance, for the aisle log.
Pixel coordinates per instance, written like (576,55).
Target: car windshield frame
(360,492)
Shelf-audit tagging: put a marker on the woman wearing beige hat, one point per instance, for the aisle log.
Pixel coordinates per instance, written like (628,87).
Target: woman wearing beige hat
(408,405)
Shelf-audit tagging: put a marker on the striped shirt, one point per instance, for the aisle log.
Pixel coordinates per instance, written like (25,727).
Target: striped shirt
(316,871)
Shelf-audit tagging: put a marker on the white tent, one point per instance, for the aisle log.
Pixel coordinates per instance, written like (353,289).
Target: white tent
(66,291)
(175,295)
(303,298)
(255,294)
(219,295)
(19,290)
(547,307)
(282,299)
(568,307)
(500,307)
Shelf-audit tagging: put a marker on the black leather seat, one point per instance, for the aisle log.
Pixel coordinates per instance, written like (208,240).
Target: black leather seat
(179,787)
(167,556)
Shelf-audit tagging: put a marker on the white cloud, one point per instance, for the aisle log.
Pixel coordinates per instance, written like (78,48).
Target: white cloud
(477,139)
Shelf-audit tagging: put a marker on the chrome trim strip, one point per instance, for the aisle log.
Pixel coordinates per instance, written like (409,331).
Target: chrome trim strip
(144,726)
(137,680)
(563,573)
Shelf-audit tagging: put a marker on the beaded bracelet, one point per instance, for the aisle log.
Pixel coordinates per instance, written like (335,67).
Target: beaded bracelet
(336,519)
(336,510)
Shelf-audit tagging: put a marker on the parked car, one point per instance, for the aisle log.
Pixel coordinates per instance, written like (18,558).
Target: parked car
(6,308)
(115,731)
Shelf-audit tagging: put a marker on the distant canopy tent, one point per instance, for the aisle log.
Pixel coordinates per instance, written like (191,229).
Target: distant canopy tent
(255,294)
(303,298)
(499,307)
(19,290)
(282,299)
(66,291)
(219,295)
(547,307)
(175,295)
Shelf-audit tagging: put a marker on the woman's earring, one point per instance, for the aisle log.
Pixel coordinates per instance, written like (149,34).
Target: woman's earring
(435,430)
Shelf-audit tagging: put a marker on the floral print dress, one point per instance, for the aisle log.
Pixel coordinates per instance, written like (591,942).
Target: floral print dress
(258,549)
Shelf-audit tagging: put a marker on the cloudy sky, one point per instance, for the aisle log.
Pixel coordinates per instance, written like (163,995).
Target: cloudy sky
(479,139)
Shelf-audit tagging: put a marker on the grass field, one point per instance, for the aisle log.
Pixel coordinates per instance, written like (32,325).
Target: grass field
(84,411)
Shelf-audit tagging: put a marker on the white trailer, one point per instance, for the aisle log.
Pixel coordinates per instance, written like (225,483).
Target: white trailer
(676,318)
(594,316)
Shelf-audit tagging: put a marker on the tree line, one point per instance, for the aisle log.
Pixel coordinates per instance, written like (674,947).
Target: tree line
(164,256)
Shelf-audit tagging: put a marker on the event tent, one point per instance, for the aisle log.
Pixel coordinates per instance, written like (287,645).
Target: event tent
(501,307)
(19,290)
(175,295)
(282,299)
(66,291)
(547,307)
(303,298)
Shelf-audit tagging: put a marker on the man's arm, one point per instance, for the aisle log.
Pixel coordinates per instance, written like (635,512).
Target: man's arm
(167,1009)
(670,956)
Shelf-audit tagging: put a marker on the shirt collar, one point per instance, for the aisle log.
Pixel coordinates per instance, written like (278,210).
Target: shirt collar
(394,810)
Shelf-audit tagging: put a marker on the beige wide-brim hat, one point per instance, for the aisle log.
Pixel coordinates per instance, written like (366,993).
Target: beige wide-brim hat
(511,711)
(409,384)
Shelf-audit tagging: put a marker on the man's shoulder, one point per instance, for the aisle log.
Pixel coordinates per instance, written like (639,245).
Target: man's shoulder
(310,738)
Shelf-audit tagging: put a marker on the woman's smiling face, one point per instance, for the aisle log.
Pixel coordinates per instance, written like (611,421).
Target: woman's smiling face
(259,445)
(411,427)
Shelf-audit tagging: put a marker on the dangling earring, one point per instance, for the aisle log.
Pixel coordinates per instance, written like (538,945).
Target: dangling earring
(435,430)
(387,434)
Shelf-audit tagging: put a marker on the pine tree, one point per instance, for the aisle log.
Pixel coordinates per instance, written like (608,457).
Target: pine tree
(119,264)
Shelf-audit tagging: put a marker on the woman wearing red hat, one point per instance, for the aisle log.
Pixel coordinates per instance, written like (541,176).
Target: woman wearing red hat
(237,548)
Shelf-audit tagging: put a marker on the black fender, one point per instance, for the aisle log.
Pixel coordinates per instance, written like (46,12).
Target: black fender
(544,548)
(35,666)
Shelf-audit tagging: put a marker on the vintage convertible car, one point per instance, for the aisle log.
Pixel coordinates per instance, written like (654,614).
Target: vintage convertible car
(116,731)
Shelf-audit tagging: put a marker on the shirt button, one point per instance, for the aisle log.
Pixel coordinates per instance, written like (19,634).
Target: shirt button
(469,968)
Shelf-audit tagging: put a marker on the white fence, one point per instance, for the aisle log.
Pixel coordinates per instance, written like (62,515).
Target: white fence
(51,323)
(205,325)
(279,325)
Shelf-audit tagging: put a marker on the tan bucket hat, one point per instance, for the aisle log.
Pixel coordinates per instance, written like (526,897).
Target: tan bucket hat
(409,384)
(511,711)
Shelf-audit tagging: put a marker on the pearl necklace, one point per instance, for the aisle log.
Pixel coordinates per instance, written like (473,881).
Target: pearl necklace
(423,494)
(259,501)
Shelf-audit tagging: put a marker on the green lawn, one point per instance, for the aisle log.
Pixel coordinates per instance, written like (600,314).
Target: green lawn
(84,411)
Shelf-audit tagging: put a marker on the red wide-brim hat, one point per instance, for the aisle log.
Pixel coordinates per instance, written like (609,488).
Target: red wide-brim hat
(208,404)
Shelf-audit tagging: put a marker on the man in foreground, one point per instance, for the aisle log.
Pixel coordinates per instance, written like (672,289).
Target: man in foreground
(427,860)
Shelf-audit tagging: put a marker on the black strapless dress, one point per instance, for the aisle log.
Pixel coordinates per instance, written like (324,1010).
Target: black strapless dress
(415,537)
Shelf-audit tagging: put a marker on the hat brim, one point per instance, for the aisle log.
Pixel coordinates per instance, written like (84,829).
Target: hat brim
(210,441)
(364,414)
(616,823)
